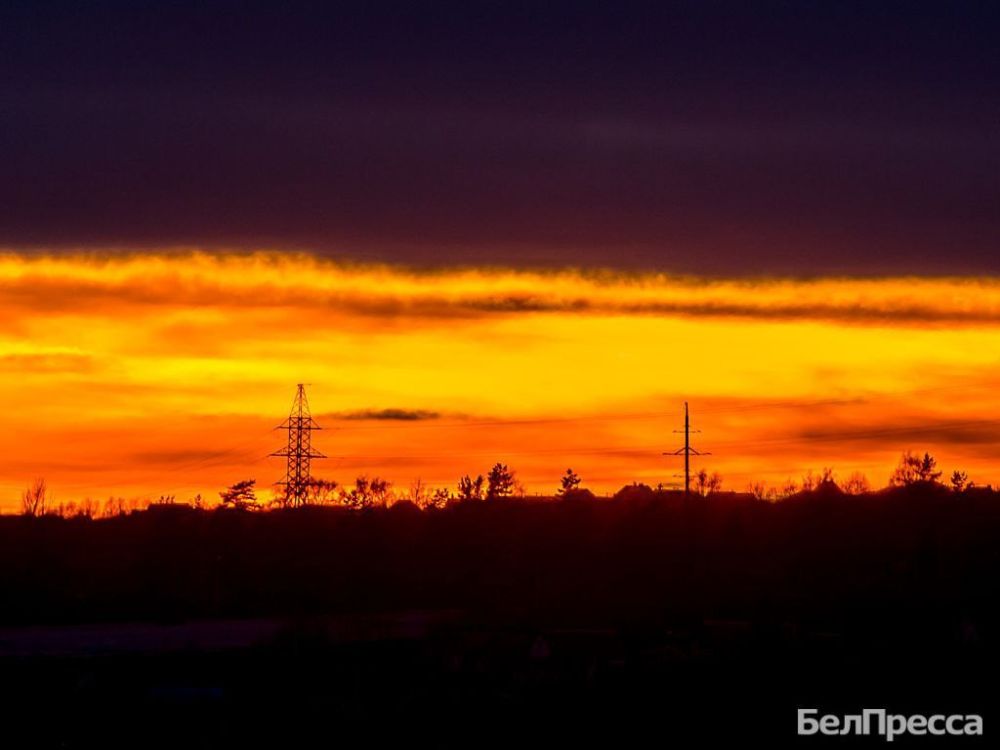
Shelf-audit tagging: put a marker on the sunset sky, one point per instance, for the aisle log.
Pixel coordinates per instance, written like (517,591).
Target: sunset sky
(149,374)
(495,231)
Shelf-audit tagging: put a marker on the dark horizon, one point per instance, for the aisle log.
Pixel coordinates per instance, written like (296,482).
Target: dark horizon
(537,624)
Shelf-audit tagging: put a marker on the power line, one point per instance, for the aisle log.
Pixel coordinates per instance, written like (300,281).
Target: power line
(649,448)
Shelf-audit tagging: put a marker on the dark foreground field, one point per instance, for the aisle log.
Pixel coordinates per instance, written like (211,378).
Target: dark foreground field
(649,621)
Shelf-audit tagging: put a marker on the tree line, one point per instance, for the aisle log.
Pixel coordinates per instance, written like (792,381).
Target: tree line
(499,483)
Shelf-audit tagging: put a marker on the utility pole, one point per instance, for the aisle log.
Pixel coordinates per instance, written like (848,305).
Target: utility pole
(687,451)
(298,451)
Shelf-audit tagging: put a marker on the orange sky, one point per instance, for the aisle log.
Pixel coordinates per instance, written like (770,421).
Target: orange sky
(151,374)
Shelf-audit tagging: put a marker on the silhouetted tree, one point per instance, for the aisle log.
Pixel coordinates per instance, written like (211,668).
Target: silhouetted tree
(714,483)
(570,481)
(241,496)
(856,484)
(418,493)
(367,493)
(705,484)
(912,469)
(356,497)
(907,471)
(471,489)
(700,482)
(959,481)
(63,510)
(114,506)
(500,482)
(33,498)
(437,499)
(286,497)
(321,491)
(928,466)
(381,491)
(809,481)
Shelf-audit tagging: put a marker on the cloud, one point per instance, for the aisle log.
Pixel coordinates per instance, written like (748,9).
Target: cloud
(279,282)
(595,140)
(402,415)
(969,432)
(188,459)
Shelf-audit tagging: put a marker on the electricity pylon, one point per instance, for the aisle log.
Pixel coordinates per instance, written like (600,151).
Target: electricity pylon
(299,451)
(687,451)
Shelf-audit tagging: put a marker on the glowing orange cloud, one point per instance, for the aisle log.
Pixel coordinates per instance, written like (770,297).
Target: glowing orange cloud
(149,374)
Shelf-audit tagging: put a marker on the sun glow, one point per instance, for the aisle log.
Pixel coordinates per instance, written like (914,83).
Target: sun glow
(148,374)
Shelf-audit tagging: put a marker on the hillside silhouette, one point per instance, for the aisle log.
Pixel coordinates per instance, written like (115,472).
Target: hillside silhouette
(838,561)
(649,606)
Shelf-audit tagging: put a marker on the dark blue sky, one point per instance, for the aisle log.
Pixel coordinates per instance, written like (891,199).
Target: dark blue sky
(711,137)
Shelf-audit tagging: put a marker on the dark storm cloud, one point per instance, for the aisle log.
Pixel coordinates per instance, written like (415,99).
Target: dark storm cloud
(712,137)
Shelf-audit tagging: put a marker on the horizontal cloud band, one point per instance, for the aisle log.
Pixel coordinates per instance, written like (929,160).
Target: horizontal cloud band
(276,279)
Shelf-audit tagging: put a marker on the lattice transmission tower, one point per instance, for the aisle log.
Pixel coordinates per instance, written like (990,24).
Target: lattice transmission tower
(299,451)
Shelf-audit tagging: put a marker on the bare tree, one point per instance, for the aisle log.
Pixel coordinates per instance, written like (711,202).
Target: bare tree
(63,510)
(115,506)
(714,483)
(367,493)
(381,492)
(321,491)
(809,481)
(856,484)
(418,492)
(705,484)
(789,488)
(33,498)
